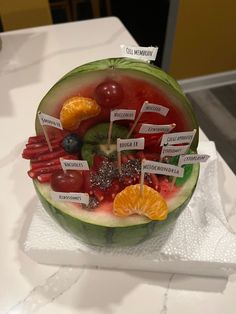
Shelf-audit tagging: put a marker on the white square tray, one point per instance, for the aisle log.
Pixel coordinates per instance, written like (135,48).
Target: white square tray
(199,243)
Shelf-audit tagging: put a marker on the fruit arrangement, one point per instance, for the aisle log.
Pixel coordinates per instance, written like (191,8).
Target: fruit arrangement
(124,206)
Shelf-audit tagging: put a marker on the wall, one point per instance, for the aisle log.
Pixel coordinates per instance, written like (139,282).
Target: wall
(205,38)
(16,14)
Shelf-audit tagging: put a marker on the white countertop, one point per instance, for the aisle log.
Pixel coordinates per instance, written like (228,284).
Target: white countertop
(31,61)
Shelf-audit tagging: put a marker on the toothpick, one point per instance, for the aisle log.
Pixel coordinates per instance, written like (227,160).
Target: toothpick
(173,183)
(61,159)
(135,122)
(119,161)
(142,178)
(109,135)
(173,126)
(174,178)
(45,133)
(161,157)
(194,130)
(118,157)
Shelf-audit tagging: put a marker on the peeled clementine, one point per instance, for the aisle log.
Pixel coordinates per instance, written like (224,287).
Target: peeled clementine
(150,203)
(76,109)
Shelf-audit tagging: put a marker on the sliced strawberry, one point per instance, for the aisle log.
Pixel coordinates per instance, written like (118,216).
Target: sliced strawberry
(151,142)
(34,173)
(130,157)
(146,182)
(124,159)
(137,177)
(155,181)
(44,177)
(97,161)
(127,180)
(111,192)
(140,155)
(87,186)
(151,156)
(98,194)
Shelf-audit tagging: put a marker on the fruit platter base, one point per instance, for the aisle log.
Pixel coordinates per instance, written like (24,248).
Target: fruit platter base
(200,242)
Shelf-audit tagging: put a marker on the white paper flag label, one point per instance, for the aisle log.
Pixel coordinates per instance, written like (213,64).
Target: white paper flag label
(178,138)
(82,198)
(122,114)
(154,128)
(142,53)
(131,143)
(173,150)
(192,159)
(149,107)
(162,168)
(45,119)
(68,164)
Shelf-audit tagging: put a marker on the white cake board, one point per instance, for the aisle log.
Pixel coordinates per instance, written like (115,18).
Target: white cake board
(199,243)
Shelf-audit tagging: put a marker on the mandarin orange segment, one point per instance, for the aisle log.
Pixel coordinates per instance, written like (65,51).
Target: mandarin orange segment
(150,204)
(76,109)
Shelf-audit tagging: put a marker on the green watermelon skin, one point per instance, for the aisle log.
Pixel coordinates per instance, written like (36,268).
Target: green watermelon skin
(118,236)
(91,232)
(72,83)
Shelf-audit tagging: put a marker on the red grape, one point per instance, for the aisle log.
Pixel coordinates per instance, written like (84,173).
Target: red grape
(67,181)
(109,94)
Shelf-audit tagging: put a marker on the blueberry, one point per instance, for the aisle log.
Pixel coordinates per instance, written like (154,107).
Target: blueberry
(72,143)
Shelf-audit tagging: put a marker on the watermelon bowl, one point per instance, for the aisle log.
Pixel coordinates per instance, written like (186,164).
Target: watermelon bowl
(82,100)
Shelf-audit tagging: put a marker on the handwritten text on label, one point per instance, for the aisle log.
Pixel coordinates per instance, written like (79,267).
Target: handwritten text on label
(162,168)
(82,198)
(132,143)
(148,107)
(154,128)
(45,119)
(178,138)
(142,53)
(192,159)
(122,114)
(68,164)
(173,150)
